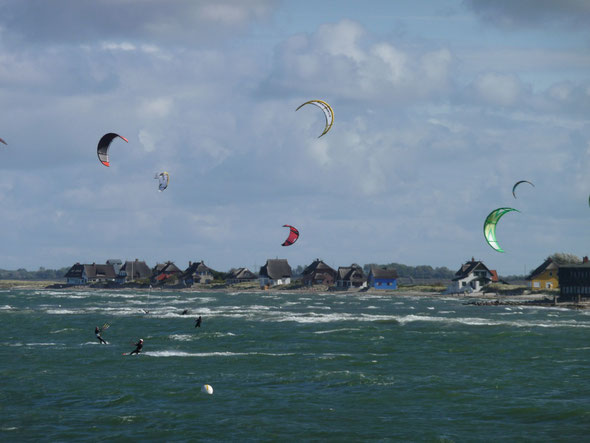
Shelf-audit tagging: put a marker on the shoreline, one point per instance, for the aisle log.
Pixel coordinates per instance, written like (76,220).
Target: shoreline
(476,299)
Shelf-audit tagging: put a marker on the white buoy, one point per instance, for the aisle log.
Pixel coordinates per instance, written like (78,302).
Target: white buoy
(207,389)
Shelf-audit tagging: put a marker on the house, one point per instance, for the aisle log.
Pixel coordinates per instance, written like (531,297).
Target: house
(116,264)
(82,274)
(382,278)
(318,273)
(240,275)
(197,272)
(275,272)
(76,275)
(472,277)
(164,271)
(545,276)
(351,277)
(574,281)
(134,270)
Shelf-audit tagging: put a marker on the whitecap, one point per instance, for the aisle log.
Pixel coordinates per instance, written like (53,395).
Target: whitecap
(61,330)
(208,354)
(182,337)
(330,331)
(64,311)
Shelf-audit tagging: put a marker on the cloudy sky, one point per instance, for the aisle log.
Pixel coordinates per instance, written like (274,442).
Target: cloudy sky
(440,107)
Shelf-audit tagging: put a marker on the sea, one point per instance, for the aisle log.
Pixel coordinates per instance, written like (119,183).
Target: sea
(289,366)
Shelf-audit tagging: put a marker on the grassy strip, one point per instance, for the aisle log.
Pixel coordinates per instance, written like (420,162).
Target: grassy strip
(35,284)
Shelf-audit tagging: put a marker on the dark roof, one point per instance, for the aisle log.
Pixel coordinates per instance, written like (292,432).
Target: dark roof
(201,267)
(547,264)
(168,268)
(383,272)
(276,268)
(468,268)
(100,271)
(139,269)
(75,271)
(575,265)
(241,274)
(195,268)
(319,267)
(352,273)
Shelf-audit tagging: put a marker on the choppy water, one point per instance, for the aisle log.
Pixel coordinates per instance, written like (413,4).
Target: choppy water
(289,366)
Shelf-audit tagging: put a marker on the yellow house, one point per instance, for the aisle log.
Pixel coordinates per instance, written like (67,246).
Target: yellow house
(545,276)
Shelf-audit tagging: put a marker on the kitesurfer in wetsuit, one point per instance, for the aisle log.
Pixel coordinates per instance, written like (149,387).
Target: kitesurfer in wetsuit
(97,332)
(138,347)
(198,323)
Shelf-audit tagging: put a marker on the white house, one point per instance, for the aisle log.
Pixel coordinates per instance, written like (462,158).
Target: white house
(275,272)
(472,277)
(82,274)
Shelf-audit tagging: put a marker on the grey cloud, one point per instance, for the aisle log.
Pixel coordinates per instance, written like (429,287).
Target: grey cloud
(82,21)
(532,13)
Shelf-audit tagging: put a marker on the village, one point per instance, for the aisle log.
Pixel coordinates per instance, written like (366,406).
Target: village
(568,282)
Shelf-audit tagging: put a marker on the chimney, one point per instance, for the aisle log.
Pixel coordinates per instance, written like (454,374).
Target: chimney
(585,259)
(190,263)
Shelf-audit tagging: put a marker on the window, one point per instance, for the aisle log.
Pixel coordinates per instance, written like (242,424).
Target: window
(536,284)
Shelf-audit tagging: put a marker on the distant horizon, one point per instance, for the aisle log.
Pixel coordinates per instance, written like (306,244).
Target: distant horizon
(42,268)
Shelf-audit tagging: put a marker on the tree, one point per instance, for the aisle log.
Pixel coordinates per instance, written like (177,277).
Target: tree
(563,258)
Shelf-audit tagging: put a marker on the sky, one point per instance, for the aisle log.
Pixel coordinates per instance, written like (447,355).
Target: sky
(440,107)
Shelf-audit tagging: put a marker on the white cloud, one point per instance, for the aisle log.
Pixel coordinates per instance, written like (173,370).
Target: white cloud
(340,59)
(123,46)
(498,89)
(147,140)
(157,108)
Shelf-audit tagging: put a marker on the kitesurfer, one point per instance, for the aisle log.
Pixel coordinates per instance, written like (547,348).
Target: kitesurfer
(185,312)
(97,332)
(198,323)
(138,347)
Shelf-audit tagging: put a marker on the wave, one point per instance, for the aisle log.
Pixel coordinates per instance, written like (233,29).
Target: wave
(182,337)
(211,354)
(65,311)
(330,331)
(61,330)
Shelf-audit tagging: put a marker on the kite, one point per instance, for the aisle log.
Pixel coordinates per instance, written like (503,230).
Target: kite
(489,226)
(3,141)
(102,149)
(164,178)
(328,112)
(293,236)
(518,183)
